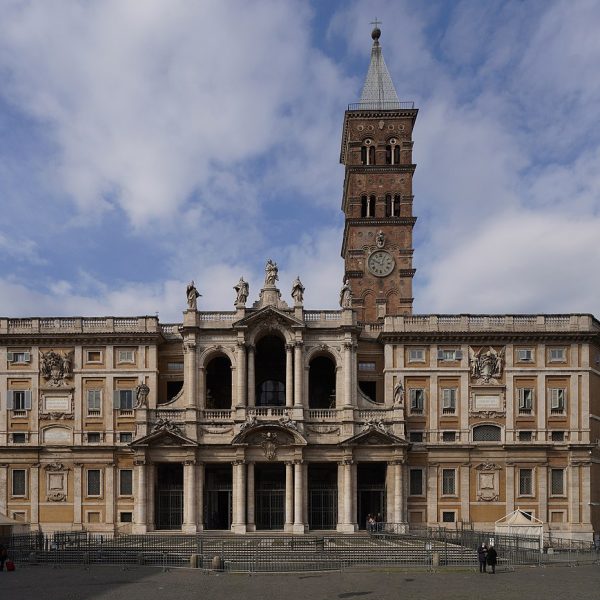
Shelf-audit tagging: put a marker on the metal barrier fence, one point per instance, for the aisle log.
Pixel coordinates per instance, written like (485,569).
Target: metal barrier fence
(277,553)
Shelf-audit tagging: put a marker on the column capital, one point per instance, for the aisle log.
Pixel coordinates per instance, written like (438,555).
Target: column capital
(241,344)
(346,462)
(189,346)
(238,462)
(349,345)
(299,343)
(298,461)
(289,347)
(251,348)
(190,462)
(138,462)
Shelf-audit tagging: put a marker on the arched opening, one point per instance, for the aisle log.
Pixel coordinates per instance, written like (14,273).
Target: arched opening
(218,383)
(367,153)
(392,152)
(389,207)
(487,433)
(396,206)
(371,206)
(321,383)
(364,206)
(270,371)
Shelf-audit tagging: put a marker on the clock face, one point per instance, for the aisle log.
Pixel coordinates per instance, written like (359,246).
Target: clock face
(381,263)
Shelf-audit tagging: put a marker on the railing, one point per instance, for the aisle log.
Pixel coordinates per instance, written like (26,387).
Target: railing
(322,414)
(322,315)
(268,411)
(79,324)
(217,316)
(381,105)
(372,415)
(216,414)
(170,414)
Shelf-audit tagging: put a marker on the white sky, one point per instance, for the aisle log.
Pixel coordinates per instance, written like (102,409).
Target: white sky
(145,144)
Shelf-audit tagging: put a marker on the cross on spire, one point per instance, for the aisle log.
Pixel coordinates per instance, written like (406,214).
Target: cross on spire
(376,23)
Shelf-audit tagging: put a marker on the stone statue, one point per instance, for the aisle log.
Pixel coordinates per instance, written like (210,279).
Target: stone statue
(242,290)
(68,364)
(271,272)
(380,239)
(398,394)
(346,294)
(298,291)
(55,367)
(192,295)
(486,365)
(141,394)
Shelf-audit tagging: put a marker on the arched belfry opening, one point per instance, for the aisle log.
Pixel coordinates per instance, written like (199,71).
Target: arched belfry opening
(270,371)
(321,382)
(218,383)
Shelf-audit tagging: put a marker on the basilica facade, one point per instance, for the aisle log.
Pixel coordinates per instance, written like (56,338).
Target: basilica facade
(273,417)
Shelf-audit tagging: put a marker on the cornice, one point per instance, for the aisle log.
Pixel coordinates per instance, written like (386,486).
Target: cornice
(400,337)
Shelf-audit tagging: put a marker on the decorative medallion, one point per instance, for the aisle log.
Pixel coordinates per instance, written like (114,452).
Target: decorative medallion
(55,367)
(269,445)
(486,366)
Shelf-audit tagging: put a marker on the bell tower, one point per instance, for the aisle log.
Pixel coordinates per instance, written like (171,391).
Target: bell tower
(377,197)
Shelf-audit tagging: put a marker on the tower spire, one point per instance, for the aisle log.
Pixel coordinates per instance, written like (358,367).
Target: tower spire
(379,91)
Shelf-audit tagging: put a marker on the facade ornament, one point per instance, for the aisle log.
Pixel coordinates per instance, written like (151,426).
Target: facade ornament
(56,496)
(269,445)
(398,394)
(271,273)
(288,422)
(374,424)
(251,421)
(141,394)
(380,239)
(242,290)
(192,295)
(346,294)
(298,291)
(55,467)
(163,424)
(56,367)
(486,365)
(487,482)
(56,416)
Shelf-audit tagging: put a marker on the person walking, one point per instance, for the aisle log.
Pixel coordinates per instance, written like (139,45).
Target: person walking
(482,557)
(492,559)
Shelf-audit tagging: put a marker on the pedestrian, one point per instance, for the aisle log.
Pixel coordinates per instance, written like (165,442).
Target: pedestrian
(482,556)
(492,558)
(370,523)
(3,556)
(379,522)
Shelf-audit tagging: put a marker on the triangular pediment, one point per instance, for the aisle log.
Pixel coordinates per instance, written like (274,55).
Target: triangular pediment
(266,314)
(374,436)
(163,437)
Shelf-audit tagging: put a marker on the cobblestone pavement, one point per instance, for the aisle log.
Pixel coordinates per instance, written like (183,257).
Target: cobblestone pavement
(103,583)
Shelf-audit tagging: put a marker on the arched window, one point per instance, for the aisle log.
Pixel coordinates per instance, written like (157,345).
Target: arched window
(271,393)
(371,206)
(396,211)
(270,369)
(364,206)
(487,433)
(367,152)
(321,383)
(392,152)
(389,207)
(218,383)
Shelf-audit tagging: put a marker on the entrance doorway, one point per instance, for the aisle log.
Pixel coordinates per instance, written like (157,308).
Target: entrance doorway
(269,491)
(169,496)
(322,496)
(217,497)
(371,492)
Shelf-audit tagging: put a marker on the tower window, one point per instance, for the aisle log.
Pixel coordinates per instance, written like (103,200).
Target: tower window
(392,152)
(371,206)
(367,153)
(364,206)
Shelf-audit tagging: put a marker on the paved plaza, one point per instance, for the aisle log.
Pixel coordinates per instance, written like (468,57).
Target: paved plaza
(103,583)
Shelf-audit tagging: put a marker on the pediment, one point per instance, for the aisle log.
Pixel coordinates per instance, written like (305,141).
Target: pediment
(374,436)
(164,437)
(266,314)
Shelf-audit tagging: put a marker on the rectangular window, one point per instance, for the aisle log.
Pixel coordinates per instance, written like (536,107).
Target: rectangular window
(525,436)
(557,436)
(525,355)
(93,482)
(448,401)
(18,400)
(448,516)
(416,482)
(125,437)
(94,402)
(557,400)
(416,437)
(525,401)
(525,482)
(449,354)
(93,437)
(19,438)
(417,400)
(126,356)
(448,482)
(366,366)
(19,487)
(448,436)
(557,355)
(557,482)
(124,399)
(18,358)
(125,482)
(175,366)
(126,517)
(93,356)
(416,355)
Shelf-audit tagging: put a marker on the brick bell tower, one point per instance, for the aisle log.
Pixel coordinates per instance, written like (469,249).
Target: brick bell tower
(377,197)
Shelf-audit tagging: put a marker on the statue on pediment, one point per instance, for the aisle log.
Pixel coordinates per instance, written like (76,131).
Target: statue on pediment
(271,273)
(298,291)
(192,295)
(242,289)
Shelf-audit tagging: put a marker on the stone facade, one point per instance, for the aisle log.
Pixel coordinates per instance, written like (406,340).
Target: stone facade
(273,417)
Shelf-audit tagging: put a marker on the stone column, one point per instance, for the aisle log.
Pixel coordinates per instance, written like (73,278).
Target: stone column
(3,488)
(241,373)
(201,387)
(189,496)
(250,524)
(434,402)
(298,497)
(388,377)
(109,476)
(510,488)
(77,471)
(305,494)
(151,475)
(347,524)
(432,493)
(573,474)
(140,523)
(251,350)
(465,494)
(298,373)
(200,495)
(239,496)
(34,496)
(541,402)
(189,366)
(289,496)
(542,472)
(398,499)
(348,373)
(585,494)
(289,375)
